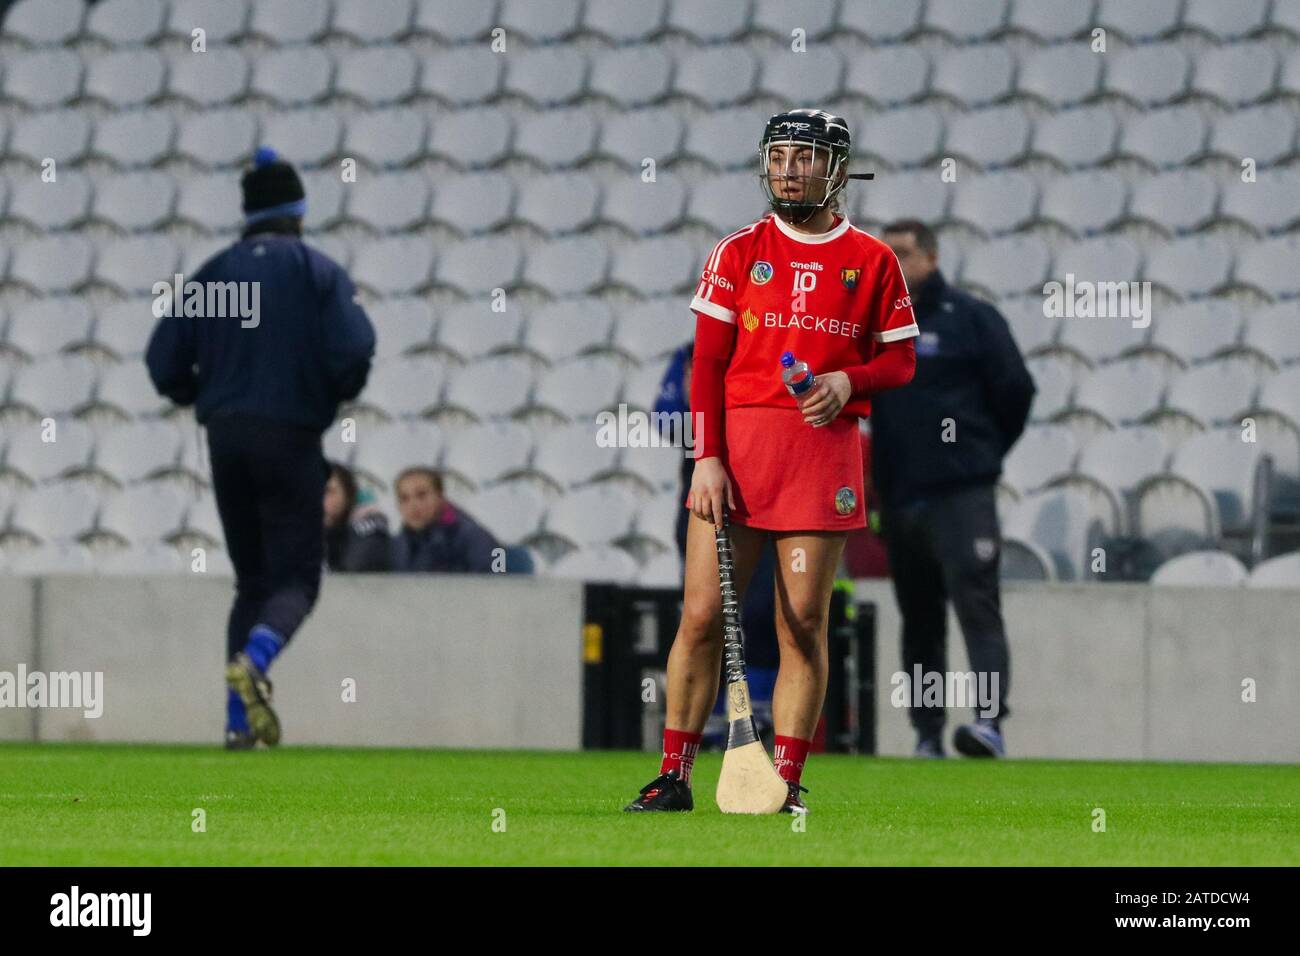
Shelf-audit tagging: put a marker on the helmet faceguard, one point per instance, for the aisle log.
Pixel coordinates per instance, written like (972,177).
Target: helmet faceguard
(827,137)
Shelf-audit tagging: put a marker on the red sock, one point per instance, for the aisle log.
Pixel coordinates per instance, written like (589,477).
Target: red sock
(680,749)
(790,754)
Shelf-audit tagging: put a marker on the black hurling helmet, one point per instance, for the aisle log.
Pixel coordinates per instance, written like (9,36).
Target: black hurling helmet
(820,131)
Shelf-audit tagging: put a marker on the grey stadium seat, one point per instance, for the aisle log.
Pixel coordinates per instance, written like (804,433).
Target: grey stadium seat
(902,137)
(471,139)
(1008,266)
(61,134)
(1061,76)
(717,75)
(473,203)
(1077,138)
(814,76)
(477,266)
(483,454)
(709,22)
(1190,267)
(392,202)
(56,514)
(1280,572)
(570,455)
(511,512)
(70,454)
(463,76)
(401,325)
(966,20)
(1221,463)
(395,265)
(123,328)
(1060,526)
(132,265)
(54,386)
(137,138)
(1267,134)
(626,21)
(1041,455)
(995,203)
(1289,81)
(43,78)
(1265,206)
(596,564)
(470,330)
(635,136)
(780,17)
(1221,22)
(581,387)
(144,514)
(290,22)
(304,137)
(559,203)
(126,22)
(1196,331)
(128,390)
(455,21)
(548,76)
(1148,75)
(1236,75)
(643,208)
(571,266)
(1140,21)
(656,266)
(223,21)
(727,139)
(1119,460)
(214,78)
(384,451)
(989,138)
(557,138)
(324,191)
(1099,259)
(218,139)
(405,387)
(577,517)
(1085,202)
(49,559)
(974,76)
(377,76)
(1178,201)
(1270,332)
(1049,21)
(125,78)
(561,330)
(491,388)
(1032,330)
(1200,569)
(45,22)
(46,326)
(292,76)
(52,264)
(541,21)
(135,202)
(1269,267)
(1120,393)
(372,21)
(1212,394)
(1165,138)
(631,76)
(881,21)
(1054,379)
(916,195)
(1278,419)
(1099,339)
(386,138)
(62,204)
(654,328)
(888,76)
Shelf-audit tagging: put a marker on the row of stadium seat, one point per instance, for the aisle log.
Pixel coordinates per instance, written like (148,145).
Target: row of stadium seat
(1186,268)
(557,204)
(1236,74)
(132,22)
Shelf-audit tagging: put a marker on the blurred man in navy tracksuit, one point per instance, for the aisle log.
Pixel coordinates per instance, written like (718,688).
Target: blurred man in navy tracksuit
(266,389)
(938,444)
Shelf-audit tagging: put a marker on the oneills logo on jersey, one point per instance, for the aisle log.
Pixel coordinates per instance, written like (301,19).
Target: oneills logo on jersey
(750,320)
(850,277)
(761,273)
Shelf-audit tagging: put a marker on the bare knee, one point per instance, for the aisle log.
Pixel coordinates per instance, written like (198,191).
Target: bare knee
(803,627)
(699,623)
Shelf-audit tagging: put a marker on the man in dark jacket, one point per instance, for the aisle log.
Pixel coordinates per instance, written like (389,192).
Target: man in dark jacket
(266,382)
(435,535)
(938,444)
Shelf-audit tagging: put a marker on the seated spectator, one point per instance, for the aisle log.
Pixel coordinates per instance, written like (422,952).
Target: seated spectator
(435,535)
(356,530)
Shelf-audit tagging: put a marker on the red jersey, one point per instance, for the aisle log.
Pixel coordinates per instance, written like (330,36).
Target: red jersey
(831,299)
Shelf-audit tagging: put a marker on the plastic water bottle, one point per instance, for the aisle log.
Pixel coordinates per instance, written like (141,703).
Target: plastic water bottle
(798,377)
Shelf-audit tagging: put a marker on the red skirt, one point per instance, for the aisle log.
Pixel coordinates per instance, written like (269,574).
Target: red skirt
(787,475)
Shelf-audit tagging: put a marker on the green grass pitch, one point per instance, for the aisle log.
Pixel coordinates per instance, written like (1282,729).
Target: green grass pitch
(92,805)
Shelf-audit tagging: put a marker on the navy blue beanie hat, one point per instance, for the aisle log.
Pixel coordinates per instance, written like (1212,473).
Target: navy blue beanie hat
(272,188)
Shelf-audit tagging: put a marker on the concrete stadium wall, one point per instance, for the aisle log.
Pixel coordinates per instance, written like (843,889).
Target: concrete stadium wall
(1127,672)
(455,661)
(1116,672)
